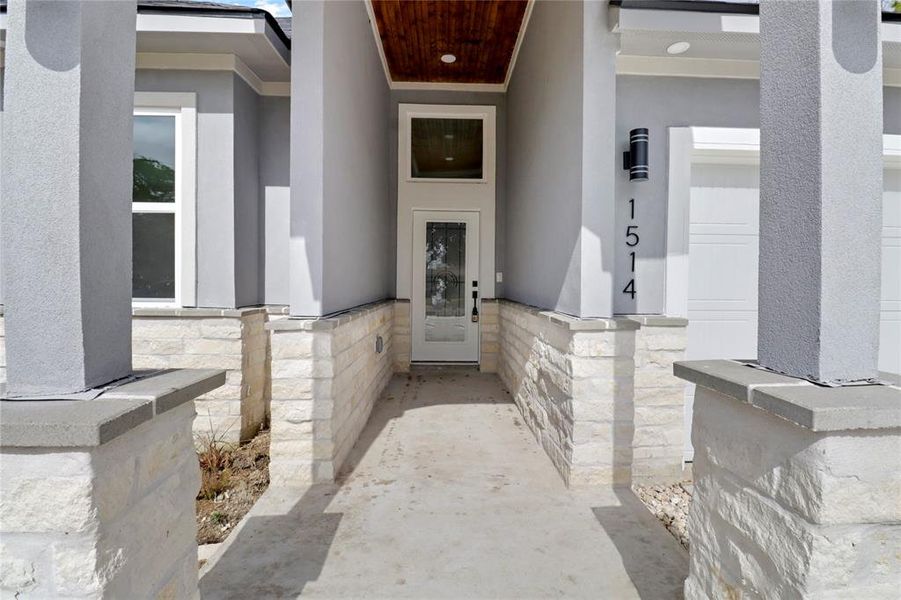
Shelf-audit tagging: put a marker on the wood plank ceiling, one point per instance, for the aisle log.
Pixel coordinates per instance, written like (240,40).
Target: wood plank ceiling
(480,33)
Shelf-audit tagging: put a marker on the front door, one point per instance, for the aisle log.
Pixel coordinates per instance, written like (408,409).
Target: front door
(445,286)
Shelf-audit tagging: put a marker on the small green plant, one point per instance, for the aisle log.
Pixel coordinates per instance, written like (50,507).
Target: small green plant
(218,517)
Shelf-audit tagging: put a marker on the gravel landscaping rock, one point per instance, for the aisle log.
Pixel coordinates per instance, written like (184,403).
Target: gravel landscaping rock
(669,503)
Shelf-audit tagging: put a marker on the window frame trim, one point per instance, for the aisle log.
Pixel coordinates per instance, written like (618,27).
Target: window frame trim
(183,106)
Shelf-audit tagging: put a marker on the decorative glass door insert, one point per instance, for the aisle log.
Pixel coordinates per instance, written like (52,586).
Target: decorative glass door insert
(446,286)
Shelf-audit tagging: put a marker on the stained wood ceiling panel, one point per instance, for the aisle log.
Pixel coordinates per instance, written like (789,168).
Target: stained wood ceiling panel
(480,33)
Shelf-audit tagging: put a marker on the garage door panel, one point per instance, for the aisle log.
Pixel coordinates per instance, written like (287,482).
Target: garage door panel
(723,253)
(722,335)
(722,272)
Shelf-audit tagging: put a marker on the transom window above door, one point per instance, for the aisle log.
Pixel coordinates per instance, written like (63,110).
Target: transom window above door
(444,148)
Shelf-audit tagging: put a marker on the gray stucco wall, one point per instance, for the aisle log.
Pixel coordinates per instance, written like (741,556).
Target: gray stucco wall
(357,217)
(658,103)
(275,198)
(247,194)
(215,180)
(340,206)
(2,73)
(544,162)
(499,101)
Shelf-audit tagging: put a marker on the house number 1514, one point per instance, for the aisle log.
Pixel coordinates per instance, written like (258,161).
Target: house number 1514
(632,241)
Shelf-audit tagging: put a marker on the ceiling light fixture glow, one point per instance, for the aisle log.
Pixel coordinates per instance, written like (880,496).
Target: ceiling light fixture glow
(448,58)
(448,158)
(678,48)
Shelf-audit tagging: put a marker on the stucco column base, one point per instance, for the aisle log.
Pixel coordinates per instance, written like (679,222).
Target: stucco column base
(796,486)
(98,495)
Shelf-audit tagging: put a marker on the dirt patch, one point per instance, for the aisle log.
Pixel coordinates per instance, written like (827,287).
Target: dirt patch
(233,478)
(669,503)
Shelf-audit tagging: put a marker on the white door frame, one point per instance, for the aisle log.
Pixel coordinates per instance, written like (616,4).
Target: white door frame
(468,349)
(478,195)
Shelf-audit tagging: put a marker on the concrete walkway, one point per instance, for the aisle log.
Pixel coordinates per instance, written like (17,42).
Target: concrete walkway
(449,497)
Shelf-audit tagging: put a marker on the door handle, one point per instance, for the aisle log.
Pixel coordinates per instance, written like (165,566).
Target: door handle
(475,306)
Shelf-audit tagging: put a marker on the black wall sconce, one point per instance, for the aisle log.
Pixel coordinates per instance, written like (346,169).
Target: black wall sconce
(635,160)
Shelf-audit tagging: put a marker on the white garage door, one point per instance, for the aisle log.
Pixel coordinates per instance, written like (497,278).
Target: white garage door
(722,290)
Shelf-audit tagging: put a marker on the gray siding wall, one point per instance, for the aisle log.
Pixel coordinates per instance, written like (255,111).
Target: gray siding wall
(275,197)
(658,103)
(499,101)
(247,194)
(544,162)
(215,175)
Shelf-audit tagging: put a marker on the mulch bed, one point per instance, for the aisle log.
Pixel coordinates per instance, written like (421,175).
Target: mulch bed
(669,503)
(233,478)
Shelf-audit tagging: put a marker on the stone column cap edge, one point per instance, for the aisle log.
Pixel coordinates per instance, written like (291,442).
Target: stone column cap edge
(91,423)
(814,407)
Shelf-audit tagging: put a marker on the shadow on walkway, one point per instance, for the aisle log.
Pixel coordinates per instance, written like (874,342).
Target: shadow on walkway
(447,495)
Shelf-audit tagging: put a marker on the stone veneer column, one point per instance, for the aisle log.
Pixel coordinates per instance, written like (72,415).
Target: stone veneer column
(66,219)
(97,492)
(796,486)
(658,445)
(98,496)
(820,188)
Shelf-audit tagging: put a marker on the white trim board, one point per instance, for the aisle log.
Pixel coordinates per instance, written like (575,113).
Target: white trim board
(212,62)
(449,87)
(711,145)
(716,68)
(184,106)
(437,195)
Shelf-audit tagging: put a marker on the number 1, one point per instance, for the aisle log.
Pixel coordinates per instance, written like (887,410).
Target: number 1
(632,207)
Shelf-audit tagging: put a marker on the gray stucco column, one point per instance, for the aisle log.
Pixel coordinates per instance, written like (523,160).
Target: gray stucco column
(66,219)
(820,188)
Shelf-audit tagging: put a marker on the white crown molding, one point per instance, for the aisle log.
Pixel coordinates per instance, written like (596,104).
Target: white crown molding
(519,38)
(449,87)
(212,62)
(668,66)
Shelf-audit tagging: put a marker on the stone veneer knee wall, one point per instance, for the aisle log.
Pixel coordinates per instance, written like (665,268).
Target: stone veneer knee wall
(326,375)
(573,381)
(112,521)
(199,338)
(598,394)
(659,440)
(797,487)
(231,339)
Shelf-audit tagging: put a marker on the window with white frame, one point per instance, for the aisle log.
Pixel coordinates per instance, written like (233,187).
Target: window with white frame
(163,200)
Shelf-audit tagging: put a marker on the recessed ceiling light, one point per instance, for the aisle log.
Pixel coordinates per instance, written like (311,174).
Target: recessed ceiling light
(678,48)
(448,158)
(448,58)
(448,136)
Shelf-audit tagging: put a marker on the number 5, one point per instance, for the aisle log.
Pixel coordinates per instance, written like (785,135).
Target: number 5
(631,236)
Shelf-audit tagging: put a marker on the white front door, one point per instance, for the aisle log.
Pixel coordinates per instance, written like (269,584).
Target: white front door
(445,224)
(445,286)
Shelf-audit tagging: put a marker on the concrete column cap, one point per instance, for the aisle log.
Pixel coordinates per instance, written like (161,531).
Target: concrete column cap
(815,407)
